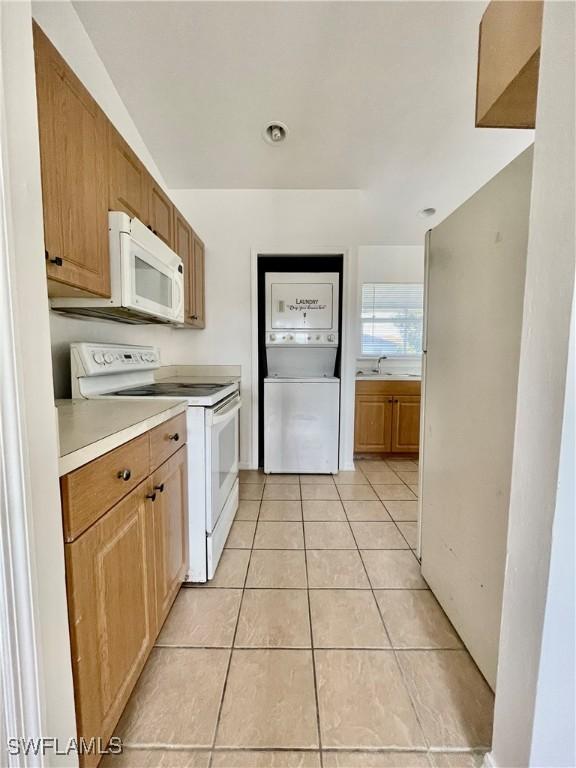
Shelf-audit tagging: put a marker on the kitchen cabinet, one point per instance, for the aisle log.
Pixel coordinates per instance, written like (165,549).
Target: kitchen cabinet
(110,580)
(508,64)
(129,181)
(387,416)
(125,522)
(372,424)
(161,214)
(405,424)
(73,155)
(88,169)
(191,250)
(169,497)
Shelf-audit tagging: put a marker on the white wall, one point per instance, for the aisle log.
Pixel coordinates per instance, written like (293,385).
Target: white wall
(390,264)
(527,668)
(32,408)
(233,223)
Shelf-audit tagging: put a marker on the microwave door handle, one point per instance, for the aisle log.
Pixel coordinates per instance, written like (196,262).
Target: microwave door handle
(226,413)
(178,289)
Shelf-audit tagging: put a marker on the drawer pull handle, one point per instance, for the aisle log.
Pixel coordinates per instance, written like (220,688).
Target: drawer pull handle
(159,487)
(151,496)
(124,474)
(174,437)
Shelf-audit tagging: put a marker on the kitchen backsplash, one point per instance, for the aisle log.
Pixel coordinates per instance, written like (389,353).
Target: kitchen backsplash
(392,365)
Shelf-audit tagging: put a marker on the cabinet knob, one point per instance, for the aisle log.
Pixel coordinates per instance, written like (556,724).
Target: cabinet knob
(159,487)
(57,260)
(124,474)
(390,401)
(174,437)
(151,496)
(194,317)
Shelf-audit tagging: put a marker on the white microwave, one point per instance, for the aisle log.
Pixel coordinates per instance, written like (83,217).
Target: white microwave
(146,278)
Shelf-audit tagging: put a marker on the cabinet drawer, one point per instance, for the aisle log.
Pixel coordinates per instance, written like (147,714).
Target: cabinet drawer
(91,490)
(166,439)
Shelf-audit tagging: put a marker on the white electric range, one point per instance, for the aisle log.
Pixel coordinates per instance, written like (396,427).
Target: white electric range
(118,371)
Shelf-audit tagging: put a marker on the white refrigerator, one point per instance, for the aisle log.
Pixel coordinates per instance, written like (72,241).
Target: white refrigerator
(475,268)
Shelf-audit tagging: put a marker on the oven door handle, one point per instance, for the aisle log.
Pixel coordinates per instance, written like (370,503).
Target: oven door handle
(218,416)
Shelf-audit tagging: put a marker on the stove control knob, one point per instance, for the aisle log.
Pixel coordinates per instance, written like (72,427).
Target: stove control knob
(272,337)
(290,337)
(98,358)
(318,337)
(331,337)
(108,358)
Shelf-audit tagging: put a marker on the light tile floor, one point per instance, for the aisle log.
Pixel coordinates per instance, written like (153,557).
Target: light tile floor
(317,645)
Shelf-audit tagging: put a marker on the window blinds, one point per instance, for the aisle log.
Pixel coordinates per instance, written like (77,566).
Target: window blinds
(391,320)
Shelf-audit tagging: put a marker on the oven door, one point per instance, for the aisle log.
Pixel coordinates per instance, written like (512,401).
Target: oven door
(152,283)
(222,446)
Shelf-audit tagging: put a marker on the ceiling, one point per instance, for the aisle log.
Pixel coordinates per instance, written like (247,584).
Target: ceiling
(376,95)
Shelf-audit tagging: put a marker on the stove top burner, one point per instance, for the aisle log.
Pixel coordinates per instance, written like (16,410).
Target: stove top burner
(170,390)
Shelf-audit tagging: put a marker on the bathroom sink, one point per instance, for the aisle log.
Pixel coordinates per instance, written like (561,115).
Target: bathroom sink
(387,376)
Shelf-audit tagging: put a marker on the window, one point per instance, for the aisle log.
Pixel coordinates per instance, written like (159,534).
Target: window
(392,319)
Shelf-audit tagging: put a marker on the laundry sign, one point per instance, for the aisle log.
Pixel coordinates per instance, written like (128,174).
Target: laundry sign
(302,306)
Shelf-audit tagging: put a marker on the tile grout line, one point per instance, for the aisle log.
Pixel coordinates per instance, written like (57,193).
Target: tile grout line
(399,666)
(394,650)
(314,674)
(224,687)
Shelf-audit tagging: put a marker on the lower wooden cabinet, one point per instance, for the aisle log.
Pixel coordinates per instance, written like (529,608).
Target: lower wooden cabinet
(112,612)
(169,498)
(405,424)
(123,574)
(387,416)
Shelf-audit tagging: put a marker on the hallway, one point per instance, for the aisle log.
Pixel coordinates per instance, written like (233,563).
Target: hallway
(341,656)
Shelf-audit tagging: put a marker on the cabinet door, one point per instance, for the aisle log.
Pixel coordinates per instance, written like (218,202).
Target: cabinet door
(73,155)
(198,315)
(110,584)
(161,214)
(184,247)
(406,424)
(170,520)
(129,181)
(373,421)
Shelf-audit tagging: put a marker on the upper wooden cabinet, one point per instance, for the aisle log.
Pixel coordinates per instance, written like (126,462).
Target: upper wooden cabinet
(191,250)
(129,181)
(161,214)
(73,154)
(87,170)
(508,64)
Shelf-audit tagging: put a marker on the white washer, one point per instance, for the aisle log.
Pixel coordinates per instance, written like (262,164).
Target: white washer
(301,424)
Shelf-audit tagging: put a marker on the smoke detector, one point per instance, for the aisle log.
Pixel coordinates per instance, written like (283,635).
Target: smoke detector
(275,132)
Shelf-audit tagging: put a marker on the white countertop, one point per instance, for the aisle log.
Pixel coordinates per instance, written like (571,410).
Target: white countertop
(388,377)
(88,429)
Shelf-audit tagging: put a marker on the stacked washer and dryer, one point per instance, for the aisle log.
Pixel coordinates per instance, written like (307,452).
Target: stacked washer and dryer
(302,390)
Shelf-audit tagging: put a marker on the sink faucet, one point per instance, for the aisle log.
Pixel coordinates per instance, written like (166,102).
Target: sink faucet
(383,357)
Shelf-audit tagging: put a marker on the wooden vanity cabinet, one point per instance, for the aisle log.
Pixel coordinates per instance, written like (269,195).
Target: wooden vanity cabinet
(387,416)
(73,158)
(125,563)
